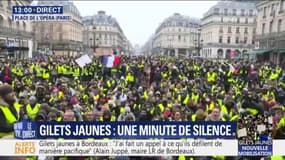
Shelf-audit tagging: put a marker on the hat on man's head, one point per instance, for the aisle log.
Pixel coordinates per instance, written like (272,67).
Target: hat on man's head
(5,89)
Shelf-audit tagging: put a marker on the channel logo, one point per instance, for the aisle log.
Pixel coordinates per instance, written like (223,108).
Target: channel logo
(25,130)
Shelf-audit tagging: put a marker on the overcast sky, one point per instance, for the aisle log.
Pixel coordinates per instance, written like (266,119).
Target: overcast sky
(139,19)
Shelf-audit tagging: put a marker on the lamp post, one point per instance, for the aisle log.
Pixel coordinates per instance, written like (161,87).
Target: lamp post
(241,48)
(198,42)
(94,38)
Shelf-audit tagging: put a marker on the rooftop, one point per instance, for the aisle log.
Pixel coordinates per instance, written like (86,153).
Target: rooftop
(230,5)
(101,19)
(177,19)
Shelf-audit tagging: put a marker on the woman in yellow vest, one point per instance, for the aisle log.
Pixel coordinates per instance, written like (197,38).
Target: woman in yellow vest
(9,112)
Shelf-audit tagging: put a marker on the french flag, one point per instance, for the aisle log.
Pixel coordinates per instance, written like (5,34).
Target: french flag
(111,61)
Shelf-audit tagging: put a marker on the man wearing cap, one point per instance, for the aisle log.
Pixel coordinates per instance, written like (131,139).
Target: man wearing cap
(9,113)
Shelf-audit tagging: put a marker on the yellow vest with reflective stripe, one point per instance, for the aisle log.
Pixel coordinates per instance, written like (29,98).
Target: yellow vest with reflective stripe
(145,95)
(10,118)
(273,76)
(32,112)
(281,122)
(234,118)
(45,74)
(76,72)
(184,158)
(122,109)
(252,111)
(161,107)
(195,98)
(276,158)
(194,117)
(211,77)
(224,109)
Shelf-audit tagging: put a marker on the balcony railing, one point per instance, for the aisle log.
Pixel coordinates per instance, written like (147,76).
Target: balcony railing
(271,35)
(15,32)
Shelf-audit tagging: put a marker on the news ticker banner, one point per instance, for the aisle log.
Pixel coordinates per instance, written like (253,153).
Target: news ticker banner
(125,130)
(40,13)
(220,135)
(115,147)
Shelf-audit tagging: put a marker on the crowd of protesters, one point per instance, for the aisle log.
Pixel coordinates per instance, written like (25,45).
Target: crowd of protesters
(140,89)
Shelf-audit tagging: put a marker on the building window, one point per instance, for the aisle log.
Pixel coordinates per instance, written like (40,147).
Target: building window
(254,31)
(229,30)
(179,30)
(9,4)
(1,21)
(221,39)
(246,20)
(237,40)
(281,6)
(24,26)
(60,37)
(245,30)
(245,40)
(237,30)
(237,20)
(252,41)
(251,12)
(264,12)
(263,28)
(9,23)
(234,12)
(221,29)
(270,26)
(226,12)
(229,40)
(222,19)
(279,25)
(242,12)
(179,37)
(272,9)
(216,11)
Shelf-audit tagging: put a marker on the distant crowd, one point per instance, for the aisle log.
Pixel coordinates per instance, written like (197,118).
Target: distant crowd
(50,88)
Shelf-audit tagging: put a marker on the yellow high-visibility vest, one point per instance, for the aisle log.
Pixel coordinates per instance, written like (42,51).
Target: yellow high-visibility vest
(10,117)
(45,74)
(195,98)
(161,107)
(252,111)
(32,112)
(276,158)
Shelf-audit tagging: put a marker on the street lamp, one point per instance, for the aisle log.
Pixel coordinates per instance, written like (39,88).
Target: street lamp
(198,45)
(94,32)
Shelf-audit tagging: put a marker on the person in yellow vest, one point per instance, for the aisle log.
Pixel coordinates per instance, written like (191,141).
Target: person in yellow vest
(32,108)
(89,116)
(211,76)
(215,115)
(200,115)
(9,112)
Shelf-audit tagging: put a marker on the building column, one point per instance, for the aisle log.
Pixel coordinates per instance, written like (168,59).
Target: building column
(176,52)
(168,52)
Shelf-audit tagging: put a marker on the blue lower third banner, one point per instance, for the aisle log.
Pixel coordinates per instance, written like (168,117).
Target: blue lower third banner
(125,130)
(255,150)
